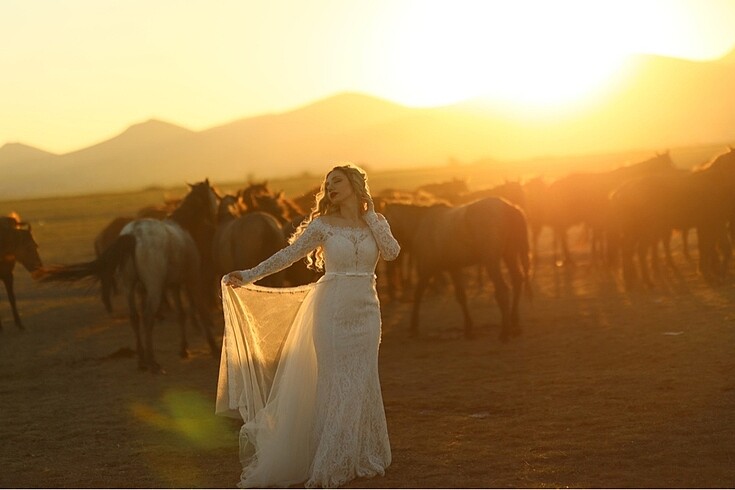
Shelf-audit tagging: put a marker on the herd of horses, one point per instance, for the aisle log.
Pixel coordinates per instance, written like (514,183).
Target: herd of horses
(182,248)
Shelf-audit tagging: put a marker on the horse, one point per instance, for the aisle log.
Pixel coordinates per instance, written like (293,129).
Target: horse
(243,241)
(112,230)
(290,215)
(17,244)
(583,198)
(443,238)
(648,208)
(152,256)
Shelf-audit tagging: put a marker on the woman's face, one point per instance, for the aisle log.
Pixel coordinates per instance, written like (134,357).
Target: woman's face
(338,187)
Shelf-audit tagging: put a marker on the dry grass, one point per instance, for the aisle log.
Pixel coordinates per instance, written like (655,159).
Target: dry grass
(604,389)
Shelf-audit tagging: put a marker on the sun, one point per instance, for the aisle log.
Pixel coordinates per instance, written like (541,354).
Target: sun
(524,55)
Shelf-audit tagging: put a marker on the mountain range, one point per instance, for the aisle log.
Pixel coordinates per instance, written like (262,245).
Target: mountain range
(663,103)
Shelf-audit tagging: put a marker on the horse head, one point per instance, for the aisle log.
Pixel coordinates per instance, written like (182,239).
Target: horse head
(199,207)
(18,243)
(229,207)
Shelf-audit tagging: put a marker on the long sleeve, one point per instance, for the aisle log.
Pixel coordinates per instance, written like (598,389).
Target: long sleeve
(312,237)
(387,244)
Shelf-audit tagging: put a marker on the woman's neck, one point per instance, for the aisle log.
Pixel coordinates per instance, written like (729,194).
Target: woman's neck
(348,211)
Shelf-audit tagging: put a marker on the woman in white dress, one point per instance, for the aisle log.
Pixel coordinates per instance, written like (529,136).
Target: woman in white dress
(300,365)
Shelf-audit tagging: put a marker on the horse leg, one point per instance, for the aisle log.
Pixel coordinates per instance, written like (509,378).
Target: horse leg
(655,259)
(643,247)
(516,279)
(135,323)
(151,305)
(707,254)
(201,312)
(685,243)
(562,232)
(461,296)
(629,272)
(8,280)
(666,240)
(421,284)
(501,297)
(535,237)
(181,318)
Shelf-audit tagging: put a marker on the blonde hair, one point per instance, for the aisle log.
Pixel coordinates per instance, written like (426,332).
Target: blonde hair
(323,207)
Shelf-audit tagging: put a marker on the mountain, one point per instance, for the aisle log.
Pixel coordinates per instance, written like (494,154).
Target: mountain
(12,153)
(661,103)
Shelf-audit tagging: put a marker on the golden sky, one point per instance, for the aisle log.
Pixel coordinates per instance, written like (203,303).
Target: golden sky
(76,72)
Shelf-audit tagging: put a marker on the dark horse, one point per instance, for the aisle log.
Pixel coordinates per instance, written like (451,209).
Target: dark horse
(243,241)
(152,256)
(647,208)
(443,238)
(16,243)
(583,198)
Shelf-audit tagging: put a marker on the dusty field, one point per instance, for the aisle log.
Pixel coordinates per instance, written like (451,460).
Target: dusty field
(604,389)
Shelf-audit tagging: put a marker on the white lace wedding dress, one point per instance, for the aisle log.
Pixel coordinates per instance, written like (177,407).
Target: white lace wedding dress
(300,365)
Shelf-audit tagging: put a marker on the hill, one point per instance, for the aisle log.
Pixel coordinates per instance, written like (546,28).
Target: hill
(661,103)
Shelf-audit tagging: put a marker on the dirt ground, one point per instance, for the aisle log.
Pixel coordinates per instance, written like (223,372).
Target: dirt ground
(604,389)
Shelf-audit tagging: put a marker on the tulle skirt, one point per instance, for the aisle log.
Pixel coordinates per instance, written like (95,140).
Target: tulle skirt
(300,367)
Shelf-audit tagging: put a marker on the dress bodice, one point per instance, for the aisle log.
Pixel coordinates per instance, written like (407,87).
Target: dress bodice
(347,250)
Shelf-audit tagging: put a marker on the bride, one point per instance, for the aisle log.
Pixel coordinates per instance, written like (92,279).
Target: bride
(300,365)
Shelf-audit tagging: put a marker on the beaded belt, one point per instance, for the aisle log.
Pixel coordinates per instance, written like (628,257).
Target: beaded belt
(350,274)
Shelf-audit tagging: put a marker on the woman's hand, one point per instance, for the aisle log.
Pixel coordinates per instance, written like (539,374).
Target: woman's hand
(233,279)
(370,205)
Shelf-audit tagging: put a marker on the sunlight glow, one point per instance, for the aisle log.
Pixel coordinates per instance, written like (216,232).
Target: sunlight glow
(528,55)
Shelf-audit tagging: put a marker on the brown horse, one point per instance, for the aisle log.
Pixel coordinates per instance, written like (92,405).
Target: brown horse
(290,215)
(647,208)
(441,238)
(16,244)
(583,198)
(153,256)
(243,241)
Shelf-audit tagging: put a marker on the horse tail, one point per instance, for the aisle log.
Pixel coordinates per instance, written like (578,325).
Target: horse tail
(520,232)
(102,269)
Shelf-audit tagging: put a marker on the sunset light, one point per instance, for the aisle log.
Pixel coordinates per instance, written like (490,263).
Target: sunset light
(526,55)
(82,71)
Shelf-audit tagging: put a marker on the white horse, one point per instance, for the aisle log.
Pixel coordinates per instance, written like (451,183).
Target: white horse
(154,256)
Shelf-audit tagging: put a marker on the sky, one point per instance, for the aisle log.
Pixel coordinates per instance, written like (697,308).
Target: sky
(77,72)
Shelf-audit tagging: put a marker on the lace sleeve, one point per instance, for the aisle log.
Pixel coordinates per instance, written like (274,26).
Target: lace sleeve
(388,246)
(312,237)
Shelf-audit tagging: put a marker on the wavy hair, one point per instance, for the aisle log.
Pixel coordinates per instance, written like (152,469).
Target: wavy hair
(324,207)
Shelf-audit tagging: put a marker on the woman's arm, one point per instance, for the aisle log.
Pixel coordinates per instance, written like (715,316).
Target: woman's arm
(312,237)
(387,244)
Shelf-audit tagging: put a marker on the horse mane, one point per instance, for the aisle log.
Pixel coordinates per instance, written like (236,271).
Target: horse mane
(249,194)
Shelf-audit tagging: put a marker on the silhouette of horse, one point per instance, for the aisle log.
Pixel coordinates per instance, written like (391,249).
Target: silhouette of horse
(153,256)
(583,198)
(647,208)
(242,242)
(248,195)
(16,244)
(290,215)
(442,238)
